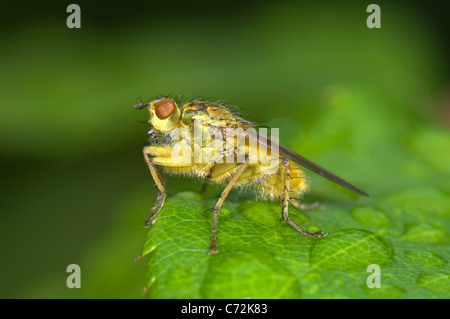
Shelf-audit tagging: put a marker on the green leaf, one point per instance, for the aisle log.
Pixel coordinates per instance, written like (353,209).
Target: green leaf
(269,259)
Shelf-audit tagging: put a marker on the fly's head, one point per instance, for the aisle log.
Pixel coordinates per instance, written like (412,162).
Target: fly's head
(164,114)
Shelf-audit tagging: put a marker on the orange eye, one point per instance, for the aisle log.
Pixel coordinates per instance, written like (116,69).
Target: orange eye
(164,108)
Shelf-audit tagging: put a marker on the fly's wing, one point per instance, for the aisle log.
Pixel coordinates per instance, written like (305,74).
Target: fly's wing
(291,155)
(318,169)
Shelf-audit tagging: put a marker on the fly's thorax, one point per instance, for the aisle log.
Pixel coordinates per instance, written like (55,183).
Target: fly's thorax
(211,114)
(164,115)
(196,119)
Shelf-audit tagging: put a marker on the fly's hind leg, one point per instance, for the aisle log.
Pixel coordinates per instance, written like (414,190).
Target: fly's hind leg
(315,205)
(219,203)
(285,205)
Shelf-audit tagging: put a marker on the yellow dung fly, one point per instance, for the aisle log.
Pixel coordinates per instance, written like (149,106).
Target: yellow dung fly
(215,144)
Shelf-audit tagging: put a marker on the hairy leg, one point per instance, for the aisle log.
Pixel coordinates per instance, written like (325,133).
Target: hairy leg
(213,247)
(285,204)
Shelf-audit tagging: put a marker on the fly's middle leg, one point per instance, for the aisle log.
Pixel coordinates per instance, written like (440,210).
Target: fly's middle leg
(285,203)
(213,247)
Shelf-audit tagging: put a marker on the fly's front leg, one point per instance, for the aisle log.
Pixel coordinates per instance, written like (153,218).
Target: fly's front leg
(159,156)
(213,247)
(159,181)
(285,204)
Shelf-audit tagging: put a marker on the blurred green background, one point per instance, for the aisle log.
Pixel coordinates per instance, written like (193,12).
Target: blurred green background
(71,161)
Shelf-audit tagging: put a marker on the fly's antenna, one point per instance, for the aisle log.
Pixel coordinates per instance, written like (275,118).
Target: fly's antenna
(140,104)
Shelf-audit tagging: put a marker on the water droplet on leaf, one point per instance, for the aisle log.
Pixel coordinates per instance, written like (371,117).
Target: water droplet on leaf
(425,258)
(352,249)
(437,282)
(371,216)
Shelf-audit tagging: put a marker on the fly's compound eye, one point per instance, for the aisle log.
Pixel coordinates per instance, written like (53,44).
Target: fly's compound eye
(164,109)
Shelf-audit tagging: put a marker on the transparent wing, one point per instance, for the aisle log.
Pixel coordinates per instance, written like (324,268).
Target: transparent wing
(291,155)
(318,169)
